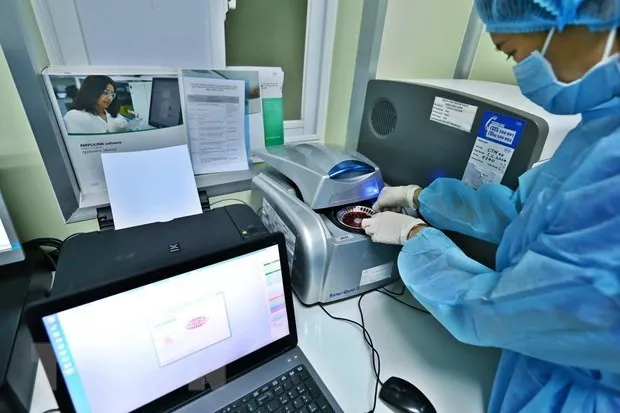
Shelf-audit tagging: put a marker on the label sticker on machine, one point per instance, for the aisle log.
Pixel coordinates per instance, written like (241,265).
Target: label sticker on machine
(378,273)
(497,139)
(452,113)
(274,223)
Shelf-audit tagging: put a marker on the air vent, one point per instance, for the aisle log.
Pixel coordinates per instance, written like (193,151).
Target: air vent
(383,118)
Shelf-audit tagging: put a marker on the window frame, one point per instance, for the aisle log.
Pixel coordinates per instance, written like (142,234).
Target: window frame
(65,45)
(318,51)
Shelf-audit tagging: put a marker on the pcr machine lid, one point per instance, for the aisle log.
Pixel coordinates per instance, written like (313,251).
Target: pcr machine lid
(327,176)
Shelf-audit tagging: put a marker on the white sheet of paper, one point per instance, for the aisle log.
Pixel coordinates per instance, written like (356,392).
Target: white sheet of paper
(156,185)
(214,112)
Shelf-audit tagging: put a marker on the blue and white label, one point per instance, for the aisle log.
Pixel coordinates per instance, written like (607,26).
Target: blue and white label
(497,139)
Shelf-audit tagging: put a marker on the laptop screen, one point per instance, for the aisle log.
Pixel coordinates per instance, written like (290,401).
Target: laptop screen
(123,351)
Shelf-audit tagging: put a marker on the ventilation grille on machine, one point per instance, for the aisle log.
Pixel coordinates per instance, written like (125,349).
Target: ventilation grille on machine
(383,117)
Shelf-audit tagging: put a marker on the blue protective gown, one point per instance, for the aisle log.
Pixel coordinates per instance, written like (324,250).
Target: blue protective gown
(553,302)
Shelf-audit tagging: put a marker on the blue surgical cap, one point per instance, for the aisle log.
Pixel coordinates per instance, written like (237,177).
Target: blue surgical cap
(522,16)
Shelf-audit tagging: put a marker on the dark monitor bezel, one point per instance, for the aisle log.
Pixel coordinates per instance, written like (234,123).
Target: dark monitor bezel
(189,391)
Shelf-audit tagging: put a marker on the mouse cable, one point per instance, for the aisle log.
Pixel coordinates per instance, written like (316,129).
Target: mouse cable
(376,360)
(376,368)
(367,337)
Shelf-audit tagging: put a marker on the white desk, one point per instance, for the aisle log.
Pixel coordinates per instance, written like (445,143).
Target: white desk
(412,345)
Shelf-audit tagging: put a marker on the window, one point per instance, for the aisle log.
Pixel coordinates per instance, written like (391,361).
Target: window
(254,38)
(295,35)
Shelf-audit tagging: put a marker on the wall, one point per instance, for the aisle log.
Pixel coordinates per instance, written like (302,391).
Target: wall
(491,65)
(254,38)
(422,39)
(343,67)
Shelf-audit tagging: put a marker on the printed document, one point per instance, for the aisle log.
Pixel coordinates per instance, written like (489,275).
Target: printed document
(215,110)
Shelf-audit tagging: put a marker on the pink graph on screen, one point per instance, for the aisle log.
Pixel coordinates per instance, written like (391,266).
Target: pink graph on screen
(196,322)
(188,327)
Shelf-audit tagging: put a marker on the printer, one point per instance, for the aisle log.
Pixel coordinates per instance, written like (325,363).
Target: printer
(317,196)
(94,258)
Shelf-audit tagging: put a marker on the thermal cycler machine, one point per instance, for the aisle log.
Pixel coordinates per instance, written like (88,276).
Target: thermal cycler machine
(410,132)
(317,196)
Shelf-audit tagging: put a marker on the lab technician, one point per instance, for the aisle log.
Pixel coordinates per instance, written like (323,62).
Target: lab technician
(553,301)
(93,111)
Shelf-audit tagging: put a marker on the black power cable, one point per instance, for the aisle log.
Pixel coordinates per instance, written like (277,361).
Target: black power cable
(393,295)
(401,292)
(375,367)
(45,242)
(376,359)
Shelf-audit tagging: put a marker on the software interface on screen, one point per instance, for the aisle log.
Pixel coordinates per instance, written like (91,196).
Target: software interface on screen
(124,351)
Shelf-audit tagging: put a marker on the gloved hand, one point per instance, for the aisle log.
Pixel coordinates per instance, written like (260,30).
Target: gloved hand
(396,197)
(390,227)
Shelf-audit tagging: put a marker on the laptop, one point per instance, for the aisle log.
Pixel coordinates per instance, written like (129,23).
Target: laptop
(215,334)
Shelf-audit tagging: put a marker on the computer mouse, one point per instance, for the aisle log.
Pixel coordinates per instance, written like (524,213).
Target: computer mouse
(404,397)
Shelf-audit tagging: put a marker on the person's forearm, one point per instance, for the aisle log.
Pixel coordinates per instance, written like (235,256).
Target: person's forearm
(415,230)
(449,204)
(416,194)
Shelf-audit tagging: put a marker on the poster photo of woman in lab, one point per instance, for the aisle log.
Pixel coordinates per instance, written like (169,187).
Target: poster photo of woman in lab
(100,104)
(95,109)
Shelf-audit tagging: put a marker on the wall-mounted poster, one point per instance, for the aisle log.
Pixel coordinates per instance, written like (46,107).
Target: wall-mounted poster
(108,110)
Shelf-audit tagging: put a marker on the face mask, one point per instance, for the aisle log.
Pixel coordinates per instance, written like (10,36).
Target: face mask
(599,85)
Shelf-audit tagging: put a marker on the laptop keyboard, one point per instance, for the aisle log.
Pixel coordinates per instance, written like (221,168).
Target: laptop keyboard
(293,392)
